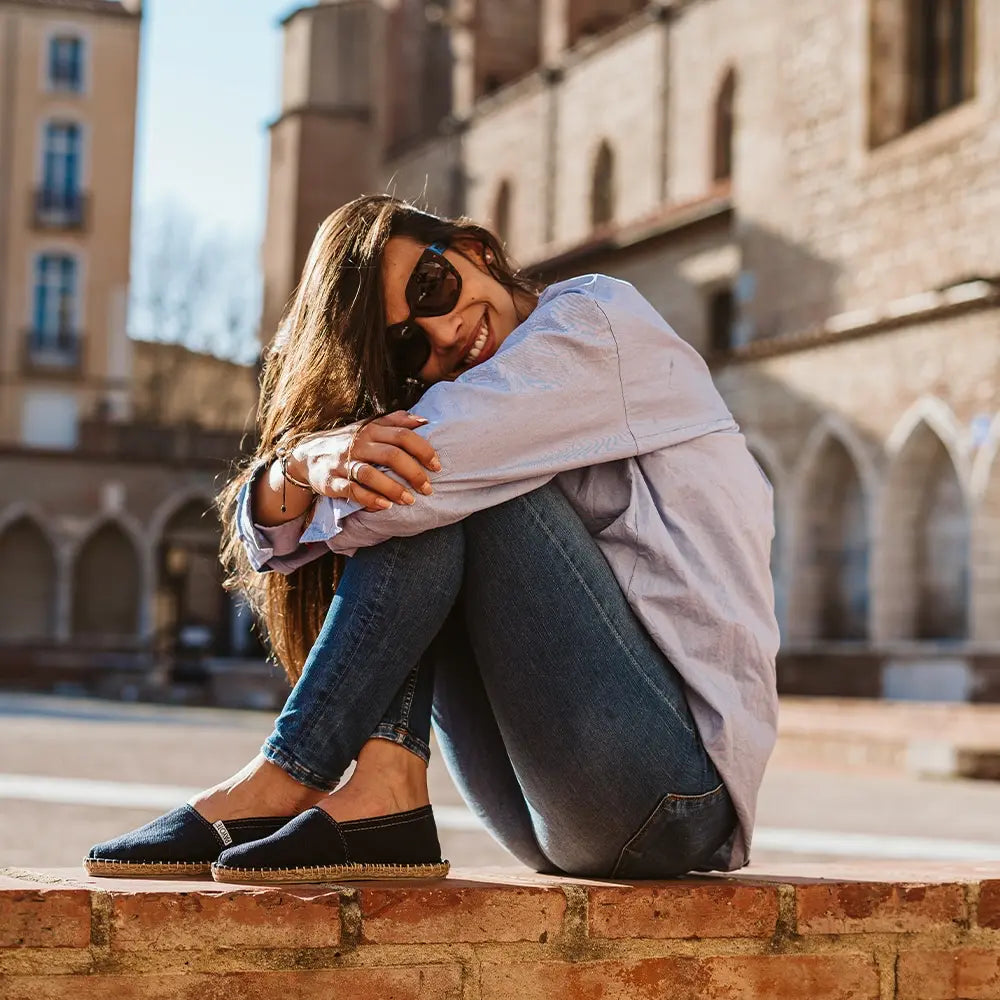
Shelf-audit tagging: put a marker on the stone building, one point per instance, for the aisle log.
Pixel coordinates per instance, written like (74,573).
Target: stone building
(808,192)
(110,451)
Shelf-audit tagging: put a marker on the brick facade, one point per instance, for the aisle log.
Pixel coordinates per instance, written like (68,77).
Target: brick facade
(818,219)
(915,933)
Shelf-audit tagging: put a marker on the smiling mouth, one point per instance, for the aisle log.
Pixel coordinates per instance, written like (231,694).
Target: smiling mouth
(476,351)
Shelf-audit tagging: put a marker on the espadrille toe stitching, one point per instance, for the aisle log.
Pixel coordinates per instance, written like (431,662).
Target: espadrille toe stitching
(314,847)
(178,844)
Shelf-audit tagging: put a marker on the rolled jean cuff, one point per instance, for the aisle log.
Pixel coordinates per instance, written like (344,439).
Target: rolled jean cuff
(297,770)
(395,734)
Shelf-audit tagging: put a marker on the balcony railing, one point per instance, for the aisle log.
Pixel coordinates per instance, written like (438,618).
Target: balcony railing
(164,443)
(55,209)
(52,350)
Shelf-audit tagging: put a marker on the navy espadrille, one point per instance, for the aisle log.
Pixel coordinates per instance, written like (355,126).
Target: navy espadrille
(314,847)
(178,844)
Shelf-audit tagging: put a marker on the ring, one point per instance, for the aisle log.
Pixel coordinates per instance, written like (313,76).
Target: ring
(353,467)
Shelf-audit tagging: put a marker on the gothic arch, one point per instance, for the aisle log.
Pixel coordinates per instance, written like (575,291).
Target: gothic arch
(924,578)
(27,579)
(107,585)
(193,609)
(602,186)
(174,503)
(833,515)
(938,416)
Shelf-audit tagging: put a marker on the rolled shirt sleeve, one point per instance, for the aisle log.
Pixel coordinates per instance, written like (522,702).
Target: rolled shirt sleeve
(285,547)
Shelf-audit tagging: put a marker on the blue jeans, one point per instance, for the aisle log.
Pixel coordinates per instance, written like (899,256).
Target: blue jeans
(564,727)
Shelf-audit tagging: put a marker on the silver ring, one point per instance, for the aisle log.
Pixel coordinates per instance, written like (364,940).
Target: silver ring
(353,467)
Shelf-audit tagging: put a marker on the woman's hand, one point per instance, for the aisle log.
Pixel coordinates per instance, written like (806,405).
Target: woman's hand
(321,461)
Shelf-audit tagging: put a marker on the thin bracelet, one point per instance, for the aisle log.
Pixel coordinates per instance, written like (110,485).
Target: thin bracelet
(287,477)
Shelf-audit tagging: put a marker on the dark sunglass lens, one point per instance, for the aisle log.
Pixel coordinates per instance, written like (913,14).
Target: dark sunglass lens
(433,287)
(408,348)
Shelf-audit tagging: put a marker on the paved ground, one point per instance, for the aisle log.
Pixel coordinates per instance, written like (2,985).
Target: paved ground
(144,758)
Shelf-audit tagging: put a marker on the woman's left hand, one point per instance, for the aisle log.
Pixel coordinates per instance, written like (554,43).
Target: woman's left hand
(341,463)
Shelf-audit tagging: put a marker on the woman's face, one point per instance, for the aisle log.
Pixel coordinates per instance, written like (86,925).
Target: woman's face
(483,306)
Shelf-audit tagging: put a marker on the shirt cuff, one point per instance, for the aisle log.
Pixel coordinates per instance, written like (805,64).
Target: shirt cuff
(328,515)
(255,540)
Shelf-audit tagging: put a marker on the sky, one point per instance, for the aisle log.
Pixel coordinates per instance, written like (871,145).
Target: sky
(208,85)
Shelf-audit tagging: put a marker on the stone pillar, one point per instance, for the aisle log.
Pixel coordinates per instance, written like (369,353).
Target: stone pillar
(326,145)
(63,611)
(555,31)
(463,47)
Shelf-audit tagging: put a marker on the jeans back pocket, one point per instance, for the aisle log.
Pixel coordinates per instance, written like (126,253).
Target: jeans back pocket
(680,834)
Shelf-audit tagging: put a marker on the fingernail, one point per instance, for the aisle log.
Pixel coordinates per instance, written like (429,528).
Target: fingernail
(383,503)
(408,497)
(435,465)
(420,420)
(426,489)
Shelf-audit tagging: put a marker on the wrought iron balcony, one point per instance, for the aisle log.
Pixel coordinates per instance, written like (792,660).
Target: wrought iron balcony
(52,350)
(56,209)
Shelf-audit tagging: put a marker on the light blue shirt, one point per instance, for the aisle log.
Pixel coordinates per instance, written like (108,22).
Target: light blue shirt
(596,391)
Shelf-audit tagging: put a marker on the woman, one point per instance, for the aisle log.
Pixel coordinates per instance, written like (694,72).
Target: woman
(561,551)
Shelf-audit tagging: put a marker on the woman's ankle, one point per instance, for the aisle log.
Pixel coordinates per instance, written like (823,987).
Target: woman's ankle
(387,778)
(261,788)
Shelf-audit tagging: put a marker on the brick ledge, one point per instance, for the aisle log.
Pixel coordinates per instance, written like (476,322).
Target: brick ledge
(913,932)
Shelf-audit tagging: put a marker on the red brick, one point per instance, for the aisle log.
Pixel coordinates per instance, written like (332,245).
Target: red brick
(244,918)
(989,905)
(841,976)
(460,913)
(44,918)
(683,910)
(845,976)
(869,907)
(417,982)
(961,974)
(642,979)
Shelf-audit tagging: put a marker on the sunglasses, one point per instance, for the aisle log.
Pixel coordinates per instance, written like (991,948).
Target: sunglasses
(433,289)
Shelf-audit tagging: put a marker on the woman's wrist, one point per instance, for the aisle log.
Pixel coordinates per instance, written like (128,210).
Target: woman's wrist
(296,470)
(275,500)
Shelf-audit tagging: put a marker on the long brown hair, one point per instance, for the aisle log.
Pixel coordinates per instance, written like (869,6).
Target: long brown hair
(329,366)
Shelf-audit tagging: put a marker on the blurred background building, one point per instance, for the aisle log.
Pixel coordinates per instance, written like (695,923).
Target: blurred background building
(806,189)
(109,448)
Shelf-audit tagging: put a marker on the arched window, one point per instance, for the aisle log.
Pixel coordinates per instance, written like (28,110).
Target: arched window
(925,575)
(27,583)
(722,158)
(106,587)
(832,590)
(193,608)
(501,211)
(942,550)
(602,189)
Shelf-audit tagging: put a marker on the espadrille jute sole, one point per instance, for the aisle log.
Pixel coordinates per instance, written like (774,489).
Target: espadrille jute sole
(328,873)
(147,869)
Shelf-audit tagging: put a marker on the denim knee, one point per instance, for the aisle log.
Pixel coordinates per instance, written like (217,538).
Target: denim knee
(548,496)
